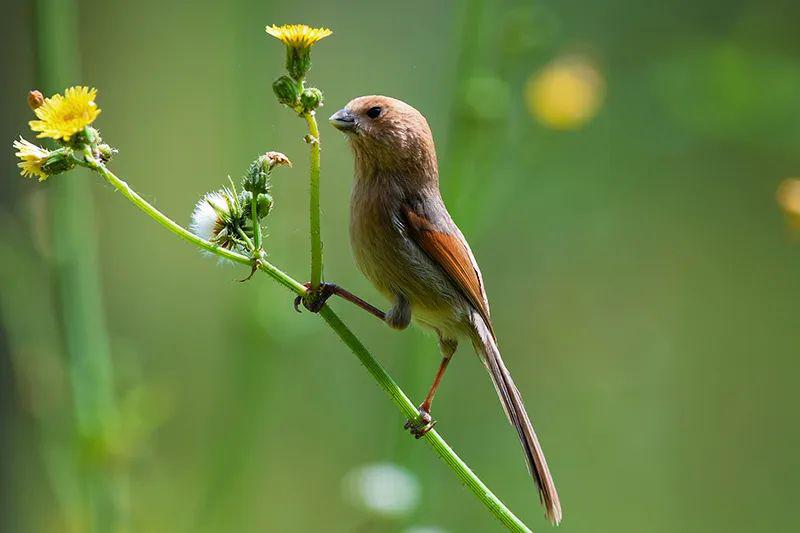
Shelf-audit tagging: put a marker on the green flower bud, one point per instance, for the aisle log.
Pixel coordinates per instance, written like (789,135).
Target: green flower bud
(285,90)
(256,180)
(245,197)
(105,152)
(59,161)
(264,205)
(87,135)
(311,99)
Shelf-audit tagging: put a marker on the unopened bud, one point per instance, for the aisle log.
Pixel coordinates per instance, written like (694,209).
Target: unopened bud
(285,90)
(311,99)
(274,159)
(59,161)
(87,135)
(264,205)
(105,152)
(35,99)
(255,181)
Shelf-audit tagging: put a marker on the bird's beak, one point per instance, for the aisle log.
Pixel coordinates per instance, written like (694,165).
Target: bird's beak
(343,120)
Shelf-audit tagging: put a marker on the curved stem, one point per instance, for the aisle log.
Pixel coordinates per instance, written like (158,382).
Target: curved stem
(314,218)
(150,210)
(384,380)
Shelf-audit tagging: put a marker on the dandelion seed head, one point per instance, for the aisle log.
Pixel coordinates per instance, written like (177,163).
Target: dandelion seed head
(205,220)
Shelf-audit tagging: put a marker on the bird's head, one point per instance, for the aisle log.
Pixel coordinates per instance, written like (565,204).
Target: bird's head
(387,134)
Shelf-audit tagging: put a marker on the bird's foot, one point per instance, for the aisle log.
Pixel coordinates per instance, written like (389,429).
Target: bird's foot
(421,425)
(313,300)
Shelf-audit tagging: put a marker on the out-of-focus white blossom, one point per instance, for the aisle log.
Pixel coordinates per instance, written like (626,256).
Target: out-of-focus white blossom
(385,489)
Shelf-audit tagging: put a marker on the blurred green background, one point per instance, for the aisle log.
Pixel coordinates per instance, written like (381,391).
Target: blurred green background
(614,166)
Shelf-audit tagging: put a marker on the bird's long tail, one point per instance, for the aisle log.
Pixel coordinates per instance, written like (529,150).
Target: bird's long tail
(486,346)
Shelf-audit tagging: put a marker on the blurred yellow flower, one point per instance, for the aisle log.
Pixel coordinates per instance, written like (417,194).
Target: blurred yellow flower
(61,117)
(298,35)
(32,158)
(565,94)
(788,197)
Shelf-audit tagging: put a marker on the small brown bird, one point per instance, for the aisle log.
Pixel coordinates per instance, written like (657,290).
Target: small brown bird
(406,243)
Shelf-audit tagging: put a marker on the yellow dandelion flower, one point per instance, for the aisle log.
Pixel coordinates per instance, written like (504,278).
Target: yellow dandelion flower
(298,35)
(61,117)
(298,39)
(32,158)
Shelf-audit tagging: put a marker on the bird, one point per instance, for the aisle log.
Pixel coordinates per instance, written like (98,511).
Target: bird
(407,244)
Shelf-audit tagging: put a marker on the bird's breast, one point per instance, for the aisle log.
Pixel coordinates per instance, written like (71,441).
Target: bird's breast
(391,260)
(379,244)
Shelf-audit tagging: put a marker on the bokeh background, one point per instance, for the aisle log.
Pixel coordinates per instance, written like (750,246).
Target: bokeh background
(614,165)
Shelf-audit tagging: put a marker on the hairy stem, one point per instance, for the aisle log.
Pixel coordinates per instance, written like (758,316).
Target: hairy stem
(314,218)
(384,380)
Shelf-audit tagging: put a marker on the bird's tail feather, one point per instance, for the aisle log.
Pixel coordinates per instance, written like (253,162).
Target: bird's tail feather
(511,400)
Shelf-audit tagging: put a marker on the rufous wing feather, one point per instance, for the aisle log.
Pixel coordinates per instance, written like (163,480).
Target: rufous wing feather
(451,254)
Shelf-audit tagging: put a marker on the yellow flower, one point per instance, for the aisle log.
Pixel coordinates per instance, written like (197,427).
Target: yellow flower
(788,197)
(61,117)
(32,158)
(298,35)
(298,39)
(565,94)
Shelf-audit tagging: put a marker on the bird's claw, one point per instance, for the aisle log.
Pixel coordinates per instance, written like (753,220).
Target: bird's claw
(314,300)
(421,425)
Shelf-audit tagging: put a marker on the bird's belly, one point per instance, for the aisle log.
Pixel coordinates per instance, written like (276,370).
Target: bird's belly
(397,266)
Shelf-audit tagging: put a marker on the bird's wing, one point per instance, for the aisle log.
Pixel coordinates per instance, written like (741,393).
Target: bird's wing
(453,255)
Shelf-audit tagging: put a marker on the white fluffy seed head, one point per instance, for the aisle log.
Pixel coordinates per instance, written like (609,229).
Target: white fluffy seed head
(206,223)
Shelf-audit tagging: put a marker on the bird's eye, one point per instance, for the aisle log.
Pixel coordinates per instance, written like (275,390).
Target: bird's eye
(374,112)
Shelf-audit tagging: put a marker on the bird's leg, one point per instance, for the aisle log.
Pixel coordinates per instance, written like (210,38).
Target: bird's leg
(399,316)
(424,423)
(314,300)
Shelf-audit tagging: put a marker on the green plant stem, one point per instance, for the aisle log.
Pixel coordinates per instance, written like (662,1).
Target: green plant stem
(409,410)
(384,380)
(314,217)
(150,210)
(76,271)
(246,240)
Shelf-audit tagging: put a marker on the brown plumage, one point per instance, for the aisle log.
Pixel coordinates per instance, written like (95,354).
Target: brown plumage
(406,243)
